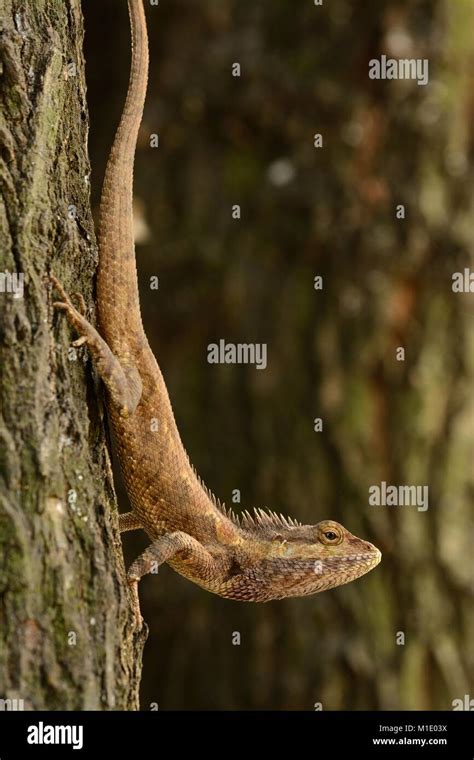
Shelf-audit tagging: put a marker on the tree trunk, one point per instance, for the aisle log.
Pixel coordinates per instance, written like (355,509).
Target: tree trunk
(66,637)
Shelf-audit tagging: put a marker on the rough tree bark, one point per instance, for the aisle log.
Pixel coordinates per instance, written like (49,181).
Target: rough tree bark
(65,633)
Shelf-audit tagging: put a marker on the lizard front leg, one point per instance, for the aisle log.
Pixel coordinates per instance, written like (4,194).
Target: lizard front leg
(121,378)
(202,564)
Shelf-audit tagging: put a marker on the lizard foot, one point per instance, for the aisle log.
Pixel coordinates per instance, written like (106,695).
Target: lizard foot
(81,308)
(67,299)
(121,378)
(75,315)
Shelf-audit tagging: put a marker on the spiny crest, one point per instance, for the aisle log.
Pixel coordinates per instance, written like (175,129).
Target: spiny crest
(263,519)
(260,518)
(226,511)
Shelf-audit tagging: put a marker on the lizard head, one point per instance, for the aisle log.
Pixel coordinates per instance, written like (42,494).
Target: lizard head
(337,555)
(305,559)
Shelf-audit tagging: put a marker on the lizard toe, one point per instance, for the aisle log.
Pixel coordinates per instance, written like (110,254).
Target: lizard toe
(81,307)
(57,285)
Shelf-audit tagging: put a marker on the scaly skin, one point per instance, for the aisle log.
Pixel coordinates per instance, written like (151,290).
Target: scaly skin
(254,558)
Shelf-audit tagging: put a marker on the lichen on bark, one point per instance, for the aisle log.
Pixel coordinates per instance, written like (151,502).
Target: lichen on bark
(66,639)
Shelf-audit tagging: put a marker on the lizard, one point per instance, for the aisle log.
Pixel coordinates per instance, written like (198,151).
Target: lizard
(257,556)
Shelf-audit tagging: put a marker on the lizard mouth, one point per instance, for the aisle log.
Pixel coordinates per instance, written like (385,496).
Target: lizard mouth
(375,556)
(365,561)
(370,558)
(331,572)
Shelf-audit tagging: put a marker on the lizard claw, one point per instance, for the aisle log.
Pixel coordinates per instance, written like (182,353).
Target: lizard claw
(75,316)
(66,302)
(82,308)
(80,341)
(57,285)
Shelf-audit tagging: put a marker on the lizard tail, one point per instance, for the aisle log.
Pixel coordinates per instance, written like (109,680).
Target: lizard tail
(117,286)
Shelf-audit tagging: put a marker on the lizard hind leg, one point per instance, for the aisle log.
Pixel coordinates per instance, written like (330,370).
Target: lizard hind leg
(120,377)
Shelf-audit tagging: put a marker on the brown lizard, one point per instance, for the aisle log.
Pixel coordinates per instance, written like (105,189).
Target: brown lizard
(252,558)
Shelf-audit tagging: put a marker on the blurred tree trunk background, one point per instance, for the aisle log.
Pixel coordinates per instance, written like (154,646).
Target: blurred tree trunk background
(65,636)
(307,211)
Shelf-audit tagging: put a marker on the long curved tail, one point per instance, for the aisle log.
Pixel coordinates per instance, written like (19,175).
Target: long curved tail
(117,286)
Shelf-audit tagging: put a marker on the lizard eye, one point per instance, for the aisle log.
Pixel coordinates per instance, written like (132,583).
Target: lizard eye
(330,534)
